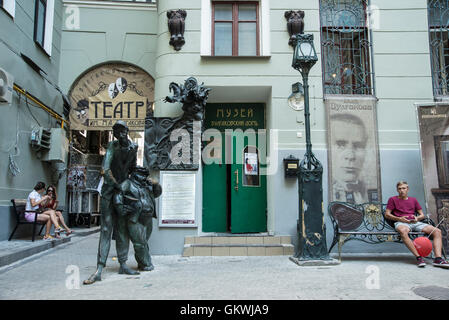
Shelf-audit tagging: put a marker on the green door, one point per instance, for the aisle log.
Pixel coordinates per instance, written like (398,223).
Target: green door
(248,194)
(234,190)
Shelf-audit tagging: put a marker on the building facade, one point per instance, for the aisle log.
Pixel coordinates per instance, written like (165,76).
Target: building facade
(375,64)
(30,43)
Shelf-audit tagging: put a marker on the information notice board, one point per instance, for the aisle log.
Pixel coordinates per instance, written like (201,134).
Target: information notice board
(177,202)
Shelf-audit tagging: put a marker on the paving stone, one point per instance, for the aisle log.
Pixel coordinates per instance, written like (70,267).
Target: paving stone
(214,277)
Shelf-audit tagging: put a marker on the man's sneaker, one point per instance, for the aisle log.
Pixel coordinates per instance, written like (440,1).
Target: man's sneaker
(420,262)
(438,262)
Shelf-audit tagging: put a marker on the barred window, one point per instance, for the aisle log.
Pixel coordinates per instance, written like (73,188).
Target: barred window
(438,13)
(345,47)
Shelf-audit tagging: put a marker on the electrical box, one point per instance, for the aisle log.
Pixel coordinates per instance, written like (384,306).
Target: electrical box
(291,167)
(6,87)
(40,138)
(59,146)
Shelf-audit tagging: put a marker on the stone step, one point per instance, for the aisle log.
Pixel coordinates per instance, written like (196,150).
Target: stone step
(238,246)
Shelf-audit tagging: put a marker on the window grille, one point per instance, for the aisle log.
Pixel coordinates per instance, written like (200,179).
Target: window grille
(346,47)
(438,14)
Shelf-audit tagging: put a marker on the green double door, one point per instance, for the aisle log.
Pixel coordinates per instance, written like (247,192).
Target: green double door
(234,185)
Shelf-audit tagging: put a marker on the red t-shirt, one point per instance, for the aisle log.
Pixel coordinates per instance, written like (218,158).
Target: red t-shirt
(403,208)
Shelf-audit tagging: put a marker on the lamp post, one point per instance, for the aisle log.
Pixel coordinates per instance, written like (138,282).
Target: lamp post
(312,247)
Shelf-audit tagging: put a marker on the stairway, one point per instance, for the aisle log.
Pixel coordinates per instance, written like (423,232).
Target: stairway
(231,245)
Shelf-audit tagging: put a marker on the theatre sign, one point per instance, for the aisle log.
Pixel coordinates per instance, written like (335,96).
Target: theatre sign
(109,93)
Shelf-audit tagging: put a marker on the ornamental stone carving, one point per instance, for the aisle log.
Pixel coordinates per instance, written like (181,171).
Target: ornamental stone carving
(176,26)
(295,24)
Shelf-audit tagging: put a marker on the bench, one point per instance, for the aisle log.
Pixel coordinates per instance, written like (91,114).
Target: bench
(19,206)
(364,222)
(84,219)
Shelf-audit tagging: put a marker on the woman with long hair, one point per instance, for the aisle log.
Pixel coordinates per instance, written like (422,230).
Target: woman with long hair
(35,202)
(52,203)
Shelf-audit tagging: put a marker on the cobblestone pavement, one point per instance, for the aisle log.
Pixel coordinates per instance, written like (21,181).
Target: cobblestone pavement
(53,275)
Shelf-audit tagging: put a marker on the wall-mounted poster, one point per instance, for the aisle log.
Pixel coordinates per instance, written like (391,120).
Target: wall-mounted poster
(353,156)
(433,122)
(109,93)
(77,177)
(251,164)
(177,202)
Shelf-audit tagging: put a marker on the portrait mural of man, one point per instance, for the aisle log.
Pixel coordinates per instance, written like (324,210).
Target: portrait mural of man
(354,172)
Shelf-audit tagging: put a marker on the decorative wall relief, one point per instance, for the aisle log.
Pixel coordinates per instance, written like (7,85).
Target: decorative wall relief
(295,24)
(174,143)
(176,26)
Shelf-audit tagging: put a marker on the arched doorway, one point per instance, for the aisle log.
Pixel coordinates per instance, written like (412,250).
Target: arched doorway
(99,97)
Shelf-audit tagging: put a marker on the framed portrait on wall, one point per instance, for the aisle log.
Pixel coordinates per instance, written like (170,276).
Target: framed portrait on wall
(353,156)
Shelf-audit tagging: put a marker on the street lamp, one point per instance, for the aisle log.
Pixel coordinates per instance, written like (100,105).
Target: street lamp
(312,247)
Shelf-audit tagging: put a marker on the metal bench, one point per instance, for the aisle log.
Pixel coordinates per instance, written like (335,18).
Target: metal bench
(19,206)
(364,222)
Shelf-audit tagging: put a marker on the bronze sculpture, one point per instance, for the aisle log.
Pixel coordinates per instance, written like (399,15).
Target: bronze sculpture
(295,25)
(176,26)
(136,207)
(158,145)
(119,161)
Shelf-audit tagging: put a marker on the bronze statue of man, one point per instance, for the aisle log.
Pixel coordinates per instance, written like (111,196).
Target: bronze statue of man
(119,161)
(136,209)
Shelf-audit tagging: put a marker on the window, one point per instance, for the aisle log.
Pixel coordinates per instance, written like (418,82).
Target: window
(43,24)
(438,12)
(345,47)
(235,29)
(9,6)
(132,0)
(39,21)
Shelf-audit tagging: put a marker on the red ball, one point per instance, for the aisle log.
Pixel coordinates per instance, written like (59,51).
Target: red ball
(423,245)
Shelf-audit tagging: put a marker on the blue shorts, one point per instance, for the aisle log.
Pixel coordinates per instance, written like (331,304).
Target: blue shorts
(414,227)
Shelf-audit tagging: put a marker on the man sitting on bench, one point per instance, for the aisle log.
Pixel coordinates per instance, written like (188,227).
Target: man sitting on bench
(401,209)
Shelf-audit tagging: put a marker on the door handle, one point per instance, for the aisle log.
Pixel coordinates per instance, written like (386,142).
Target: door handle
(236,186)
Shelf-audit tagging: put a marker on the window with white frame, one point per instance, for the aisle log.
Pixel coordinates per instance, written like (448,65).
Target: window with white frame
(9,6)
(43,24)
(235,28)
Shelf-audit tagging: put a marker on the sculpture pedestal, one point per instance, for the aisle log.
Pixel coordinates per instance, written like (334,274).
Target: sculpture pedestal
(315,263)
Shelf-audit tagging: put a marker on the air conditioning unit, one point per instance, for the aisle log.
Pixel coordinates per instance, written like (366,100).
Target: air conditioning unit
(6,87)
(59,147)
(41,138)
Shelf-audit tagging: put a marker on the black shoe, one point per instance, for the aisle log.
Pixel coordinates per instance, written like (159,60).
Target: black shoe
(146,268)
(93,278)
(124,269)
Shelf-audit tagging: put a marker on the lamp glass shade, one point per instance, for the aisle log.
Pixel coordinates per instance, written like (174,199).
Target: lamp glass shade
(306,50)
